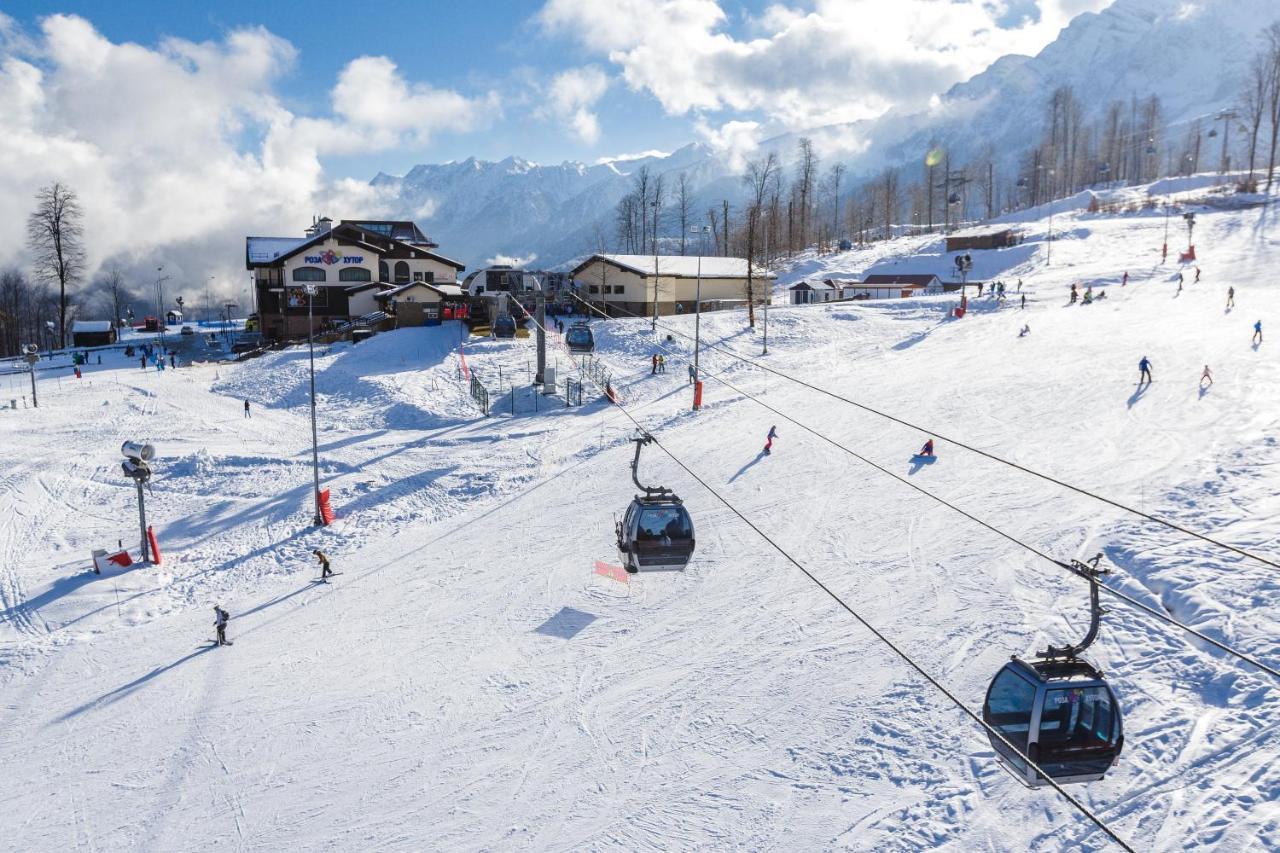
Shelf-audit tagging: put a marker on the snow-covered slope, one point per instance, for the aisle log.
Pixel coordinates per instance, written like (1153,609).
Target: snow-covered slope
(468,682)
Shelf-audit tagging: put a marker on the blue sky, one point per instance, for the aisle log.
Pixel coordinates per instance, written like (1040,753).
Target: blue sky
(516,49)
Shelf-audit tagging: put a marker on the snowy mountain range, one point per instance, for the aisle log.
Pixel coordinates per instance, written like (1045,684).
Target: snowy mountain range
(1189,54)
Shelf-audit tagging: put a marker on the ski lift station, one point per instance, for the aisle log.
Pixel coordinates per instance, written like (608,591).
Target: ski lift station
(626,284)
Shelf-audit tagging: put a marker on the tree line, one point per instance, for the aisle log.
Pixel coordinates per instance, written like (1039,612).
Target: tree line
(790,207)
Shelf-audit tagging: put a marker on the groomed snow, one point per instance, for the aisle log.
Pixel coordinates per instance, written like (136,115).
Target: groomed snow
(468,682)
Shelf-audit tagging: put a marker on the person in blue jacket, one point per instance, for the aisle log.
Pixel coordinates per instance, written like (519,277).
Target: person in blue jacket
(1257,332)
(1144,370)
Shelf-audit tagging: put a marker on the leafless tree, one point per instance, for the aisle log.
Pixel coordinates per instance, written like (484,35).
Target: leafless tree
(656,204)
(55,235)
(1254,101)
(761,179)
(1272,53)
(806,177)
(684,207)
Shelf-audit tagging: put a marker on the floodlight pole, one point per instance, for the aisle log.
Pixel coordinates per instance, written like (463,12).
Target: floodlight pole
(315,447)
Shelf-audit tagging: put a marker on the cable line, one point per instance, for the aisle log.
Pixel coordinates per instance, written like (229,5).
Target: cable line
(1133,602)
(1155,519)
(991,731)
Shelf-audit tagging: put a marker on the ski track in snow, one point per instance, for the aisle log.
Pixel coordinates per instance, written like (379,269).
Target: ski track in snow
(437,696)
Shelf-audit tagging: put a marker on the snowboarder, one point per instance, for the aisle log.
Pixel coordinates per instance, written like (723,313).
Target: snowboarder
(325,571)
(653,371)
(693,375)
(246,409)
(1257,332)
(220,622)
(662,363)
(1024,300)
(1144,370)
(1206,377)
(1197,281)
(1124,280)
(1026,330)
(927,450)
(768,442)
(1231,296)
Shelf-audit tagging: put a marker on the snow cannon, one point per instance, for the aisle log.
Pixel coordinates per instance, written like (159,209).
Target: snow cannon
(138,450)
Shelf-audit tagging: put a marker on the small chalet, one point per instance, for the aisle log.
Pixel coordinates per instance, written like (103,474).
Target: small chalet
(92,333)
(810,292)
(997,237)
(886,286)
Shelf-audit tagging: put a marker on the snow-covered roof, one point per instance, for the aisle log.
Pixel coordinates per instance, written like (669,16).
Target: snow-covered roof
(679,266)
(814,285)
(263,249)
(90,326)
(448,289)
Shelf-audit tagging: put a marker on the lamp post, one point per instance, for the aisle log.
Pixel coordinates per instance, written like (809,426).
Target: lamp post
(315,446)
(654,205)
(160,280)
(702,231)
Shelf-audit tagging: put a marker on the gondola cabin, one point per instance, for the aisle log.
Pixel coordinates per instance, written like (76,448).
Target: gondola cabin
(504,327)
(655,535)
(1059,713)
(579,338)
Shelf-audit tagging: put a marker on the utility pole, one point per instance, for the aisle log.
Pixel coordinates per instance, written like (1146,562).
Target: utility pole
(160,280)
(654,204)
(541,321)
(1227,116)
(702,231)
(315,446)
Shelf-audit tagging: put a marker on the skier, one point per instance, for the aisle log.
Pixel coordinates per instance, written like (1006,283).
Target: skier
(1074,294)
(1197,281)
(979,288)
(1019,285)
(693,375)
(246,409)
(662,363)
(927,450)
(143,359)
(768,443)
(1026,330)
(1124,279)
(654,370)
(1024,300)
(1206,377)
(220,622)
(173,359)
(1179,282)
(325,571)
(1257,332)
(1231,296)
(1144,370)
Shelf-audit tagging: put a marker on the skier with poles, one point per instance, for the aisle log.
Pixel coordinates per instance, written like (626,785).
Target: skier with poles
(1144,370)
(220,623)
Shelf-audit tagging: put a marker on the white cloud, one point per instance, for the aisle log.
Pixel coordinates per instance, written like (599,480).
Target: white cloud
(839,61)
(735,140)
(511,261)
(571,96)
(639,155)
(178,151)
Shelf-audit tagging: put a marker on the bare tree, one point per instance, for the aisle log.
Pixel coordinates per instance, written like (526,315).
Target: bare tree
(761,179)
(684,207)
(806,177)
(55,235)
(1257,82)
(1272,53)
(713,219)
(836,173)
(656,204)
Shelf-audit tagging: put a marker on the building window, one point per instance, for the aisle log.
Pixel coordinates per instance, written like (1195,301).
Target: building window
(384,273)
(402,272)
(417,276)
(354,274)
(308,274)
(591,288)
(431,277)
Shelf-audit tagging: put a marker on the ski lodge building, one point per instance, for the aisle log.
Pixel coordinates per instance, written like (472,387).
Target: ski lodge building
(621,285)
(352,264)
(877,286)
